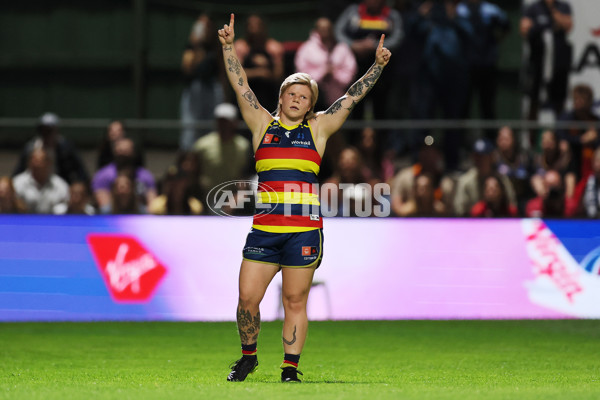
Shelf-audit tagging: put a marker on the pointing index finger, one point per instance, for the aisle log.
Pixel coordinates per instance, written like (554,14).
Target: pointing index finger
(380,46)
(231,21)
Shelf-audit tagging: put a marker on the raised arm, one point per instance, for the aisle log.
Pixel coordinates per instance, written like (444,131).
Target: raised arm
(255,116)
(330,121)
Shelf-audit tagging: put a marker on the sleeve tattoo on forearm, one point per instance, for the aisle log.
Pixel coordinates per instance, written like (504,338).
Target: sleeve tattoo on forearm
(356,89)
(362,86)
(234,65)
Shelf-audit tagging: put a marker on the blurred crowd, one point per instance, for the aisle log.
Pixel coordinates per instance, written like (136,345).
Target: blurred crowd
(445,64)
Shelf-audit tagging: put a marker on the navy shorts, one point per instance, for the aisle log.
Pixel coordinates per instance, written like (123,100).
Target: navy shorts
(299,249)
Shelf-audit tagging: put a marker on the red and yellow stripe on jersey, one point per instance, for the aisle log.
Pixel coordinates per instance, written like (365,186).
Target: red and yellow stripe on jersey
(287,163)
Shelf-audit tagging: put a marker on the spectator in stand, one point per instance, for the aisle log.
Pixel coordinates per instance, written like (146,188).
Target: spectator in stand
(327,61)
(553,202)
(114,131)
(180,188)
(591,198)
(470,185)
(513,163)
(179,197)
(38,187)
(378,160)
(263,60)
(123,197)
(424,202)
(187,164)
(556,156)
(224,154)
(583,141)
(494,202)
(431,163)
(79,201)
(545,25)
(125,156)
(201,65)
(490,24)
(351,180)
(10,203)
(443,75)
(67,163)
(360,26)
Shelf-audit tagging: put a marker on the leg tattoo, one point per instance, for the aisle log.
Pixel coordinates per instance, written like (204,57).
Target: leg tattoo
(290,342)
(248,325)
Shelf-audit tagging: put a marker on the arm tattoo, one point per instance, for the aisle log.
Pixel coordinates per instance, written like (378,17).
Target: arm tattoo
(356,89)
(228,48)
(371,78)
(248,326)
(291,342)
(335,107)
(250,98)
(241,82)
(366,83)
(354,103)
(234,65)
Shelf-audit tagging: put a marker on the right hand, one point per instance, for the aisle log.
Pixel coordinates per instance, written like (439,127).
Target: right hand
(227,34)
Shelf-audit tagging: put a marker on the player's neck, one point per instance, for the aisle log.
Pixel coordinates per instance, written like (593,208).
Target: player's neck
(289,121)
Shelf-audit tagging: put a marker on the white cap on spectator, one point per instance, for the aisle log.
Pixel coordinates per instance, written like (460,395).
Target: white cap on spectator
(227,111)
(483,146)
(49,119)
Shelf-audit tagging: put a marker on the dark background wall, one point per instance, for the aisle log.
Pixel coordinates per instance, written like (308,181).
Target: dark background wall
(121,59)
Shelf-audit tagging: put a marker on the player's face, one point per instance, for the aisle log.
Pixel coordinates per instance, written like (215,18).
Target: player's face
(296,101)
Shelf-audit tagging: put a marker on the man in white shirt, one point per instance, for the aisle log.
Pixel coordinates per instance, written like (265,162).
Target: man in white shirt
(38,186)
(225,155)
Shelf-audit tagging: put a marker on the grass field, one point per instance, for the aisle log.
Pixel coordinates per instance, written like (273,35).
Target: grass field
(342,360)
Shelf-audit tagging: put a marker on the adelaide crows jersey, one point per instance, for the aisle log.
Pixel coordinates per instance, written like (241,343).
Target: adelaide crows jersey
(287,163)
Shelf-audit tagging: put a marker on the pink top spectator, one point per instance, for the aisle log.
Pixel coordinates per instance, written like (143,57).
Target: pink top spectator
(331,64)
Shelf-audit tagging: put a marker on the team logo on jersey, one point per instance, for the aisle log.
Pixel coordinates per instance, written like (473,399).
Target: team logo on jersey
(271,138)
(287,134)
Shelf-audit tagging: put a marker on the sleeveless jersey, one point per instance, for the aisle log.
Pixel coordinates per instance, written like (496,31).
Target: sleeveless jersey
(287,163)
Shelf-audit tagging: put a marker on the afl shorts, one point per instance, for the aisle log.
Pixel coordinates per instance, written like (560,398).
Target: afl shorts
(287,250)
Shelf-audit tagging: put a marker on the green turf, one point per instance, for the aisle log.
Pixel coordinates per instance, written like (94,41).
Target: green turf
(342,360)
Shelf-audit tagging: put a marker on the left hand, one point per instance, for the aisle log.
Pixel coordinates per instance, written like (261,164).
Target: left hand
(382,54)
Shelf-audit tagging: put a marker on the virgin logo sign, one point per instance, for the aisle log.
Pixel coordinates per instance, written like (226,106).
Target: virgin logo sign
(130,272)
(551,260)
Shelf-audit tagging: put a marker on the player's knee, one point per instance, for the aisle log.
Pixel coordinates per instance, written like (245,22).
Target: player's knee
(248,301)
(294,302)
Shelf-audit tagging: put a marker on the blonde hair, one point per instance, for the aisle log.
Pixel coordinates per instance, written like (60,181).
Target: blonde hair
(300,78)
